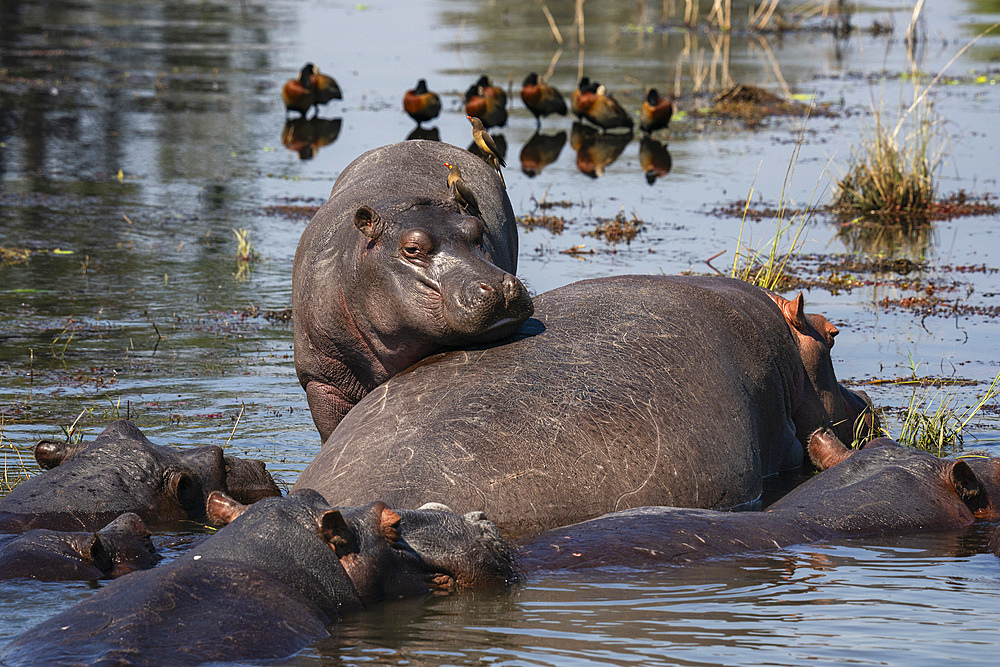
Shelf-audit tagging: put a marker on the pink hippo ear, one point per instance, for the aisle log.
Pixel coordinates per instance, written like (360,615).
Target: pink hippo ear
(337,532)
(967,486)
(794,312)
(826,450)
(221,510)
(369,222)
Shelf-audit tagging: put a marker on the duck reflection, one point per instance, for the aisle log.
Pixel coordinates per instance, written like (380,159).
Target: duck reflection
(541,151)
(428,133)
(654,158)
(307,136)
(596,150)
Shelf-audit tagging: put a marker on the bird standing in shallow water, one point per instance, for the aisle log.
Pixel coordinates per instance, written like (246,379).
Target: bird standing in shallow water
(298,94)
(582,97)
(461,192)
(489,148)
(422,104)
(325,88)
(541,98)
(605,112)
(655,112)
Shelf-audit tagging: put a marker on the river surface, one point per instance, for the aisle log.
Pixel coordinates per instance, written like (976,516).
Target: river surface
(135,137)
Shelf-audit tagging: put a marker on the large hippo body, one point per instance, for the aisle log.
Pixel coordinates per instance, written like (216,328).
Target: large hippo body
(390,270)
(85,485)
(622,392)
(883,488)
(268,584)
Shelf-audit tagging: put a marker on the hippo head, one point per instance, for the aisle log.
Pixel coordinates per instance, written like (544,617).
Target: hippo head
(819,398)
(389,554)
(121,547)
(88,484)
(426,280)
(891,486)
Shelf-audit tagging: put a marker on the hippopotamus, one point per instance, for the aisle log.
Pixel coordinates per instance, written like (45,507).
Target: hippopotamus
(621,392)
(880,489)
(88,484)
(121,547)
(390,270)
(269,583)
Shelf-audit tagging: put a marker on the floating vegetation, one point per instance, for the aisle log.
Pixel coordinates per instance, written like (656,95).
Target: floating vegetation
(246,255)
(617,229)
(13,255)
(554,223)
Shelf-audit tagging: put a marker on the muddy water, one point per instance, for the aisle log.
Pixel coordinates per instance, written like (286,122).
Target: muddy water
(134,138)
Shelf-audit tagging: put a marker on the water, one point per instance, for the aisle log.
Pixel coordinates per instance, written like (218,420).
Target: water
(134,138)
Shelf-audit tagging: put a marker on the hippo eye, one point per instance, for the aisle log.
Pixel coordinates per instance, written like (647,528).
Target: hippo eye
(415,244)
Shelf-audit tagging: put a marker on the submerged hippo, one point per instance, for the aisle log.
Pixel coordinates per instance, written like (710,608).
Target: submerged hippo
(883,488)
(622,392)
(390,270)
(87,484)
(121,547)
(268,584)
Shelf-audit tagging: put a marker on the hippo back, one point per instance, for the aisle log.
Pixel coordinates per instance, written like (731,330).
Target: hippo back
(622,392)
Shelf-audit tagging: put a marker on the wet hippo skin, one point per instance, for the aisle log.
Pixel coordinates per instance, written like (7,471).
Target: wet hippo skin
(620,392)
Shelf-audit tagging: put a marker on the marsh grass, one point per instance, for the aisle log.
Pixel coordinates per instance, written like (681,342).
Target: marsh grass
(891,179)
(767,266)
(14,469)
(246,255)
(932,419)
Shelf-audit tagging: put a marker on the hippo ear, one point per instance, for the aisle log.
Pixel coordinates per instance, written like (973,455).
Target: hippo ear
(967,486)
(184,487)
(794,312)
(826,450)
(337,532)
(221,510)
(369,222)
(51,453)
(389,524)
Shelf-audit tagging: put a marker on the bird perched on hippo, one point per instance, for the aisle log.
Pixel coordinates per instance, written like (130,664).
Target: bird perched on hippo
(393,268)
(620,392)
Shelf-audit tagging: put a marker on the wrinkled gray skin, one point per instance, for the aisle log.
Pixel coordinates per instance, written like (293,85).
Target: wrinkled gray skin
(263,587)
(389,271)
(884,488)
(121,547)
(88,484)
(621,392)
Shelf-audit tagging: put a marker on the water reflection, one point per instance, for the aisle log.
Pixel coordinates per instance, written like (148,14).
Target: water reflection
(881,240)
(596,150)
(428,133)
(307,136)
(540,151)
(654,158)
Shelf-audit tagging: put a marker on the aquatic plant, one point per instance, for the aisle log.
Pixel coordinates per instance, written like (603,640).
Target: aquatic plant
(931,420)
(13,473)
(889,178)
(13,255)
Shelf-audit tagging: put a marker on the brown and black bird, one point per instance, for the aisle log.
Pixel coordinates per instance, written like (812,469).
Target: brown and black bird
(582,97)
(298,94)
(490,109)
(541,98)
(489,90)
(461,192)
(487,146)
(309,90)
(655,112)
(605,112)
(422,104)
